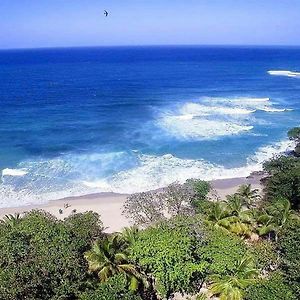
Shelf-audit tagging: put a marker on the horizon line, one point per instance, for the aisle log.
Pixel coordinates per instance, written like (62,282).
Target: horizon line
(155,45)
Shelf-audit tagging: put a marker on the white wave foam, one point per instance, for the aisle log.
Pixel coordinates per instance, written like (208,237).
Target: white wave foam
(59,178)
(284,73)
(197,128)
(196,109)
(236,100)
(13,172)
(158,171)
(272,109)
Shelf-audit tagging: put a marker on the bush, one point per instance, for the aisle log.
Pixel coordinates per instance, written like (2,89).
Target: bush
(284,180)
(221,251)
(115,288)
(200,188)
(289,246)
(272,288)
(39,258)
(167,252)
(264,253)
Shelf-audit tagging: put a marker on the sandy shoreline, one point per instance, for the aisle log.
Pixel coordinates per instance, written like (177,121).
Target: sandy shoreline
(110,205)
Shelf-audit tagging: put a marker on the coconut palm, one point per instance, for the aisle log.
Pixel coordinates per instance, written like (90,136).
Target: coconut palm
(274,218)
(129,234)
(266,224)
(235,204)
(248,195)
(217,213)
(12,220)
(108,257)
(231,287)
(230,217)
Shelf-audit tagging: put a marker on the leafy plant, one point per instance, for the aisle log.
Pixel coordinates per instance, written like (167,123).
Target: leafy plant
(232,286)
(107,258)
(167,253)
(250,196)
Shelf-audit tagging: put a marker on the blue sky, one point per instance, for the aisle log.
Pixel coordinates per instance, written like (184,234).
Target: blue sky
(51,23)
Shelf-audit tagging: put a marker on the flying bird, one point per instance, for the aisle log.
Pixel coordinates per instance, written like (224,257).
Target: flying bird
(105,13)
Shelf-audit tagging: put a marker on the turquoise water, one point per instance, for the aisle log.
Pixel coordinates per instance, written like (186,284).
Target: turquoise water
(127,119)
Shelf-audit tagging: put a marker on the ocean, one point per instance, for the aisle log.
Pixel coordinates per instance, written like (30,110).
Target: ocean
(75,121)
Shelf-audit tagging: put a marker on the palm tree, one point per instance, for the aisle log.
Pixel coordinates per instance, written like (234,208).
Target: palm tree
(12,220)
(235,204)
(248,195)
(129,234)
(274,218)
(231,287)
(107,258)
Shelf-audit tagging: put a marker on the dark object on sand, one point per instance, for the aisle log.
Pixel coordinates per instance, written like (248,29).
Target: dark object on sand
(60,211)
(74,211)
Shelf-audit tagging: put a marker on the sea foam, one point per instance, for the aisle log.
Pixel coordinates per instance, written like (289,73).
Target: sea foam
(13,172)
(284,73)
(158,171)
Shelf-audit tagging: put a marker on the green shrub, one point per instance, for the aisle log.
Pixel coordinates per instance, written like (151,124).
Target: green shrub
(272,288)
(115,288)
(284,180)
(221,251)
(289,246)
(39,258)
(167,251)
(265,255)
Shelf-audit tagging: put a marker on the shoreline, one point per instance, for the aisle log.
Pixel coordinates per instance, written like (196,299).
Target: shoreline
(110,205)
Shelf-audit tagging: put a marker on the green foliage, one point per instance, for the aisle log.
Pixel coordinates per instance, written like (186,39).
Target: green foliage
(249,196)
(284,180)
(272,288)
(167,251)
(289,246)
(264,253)
(232,286)
(201,188)
(203,207)
(84,228)
(274,217)
(38,259)
(108,257)
(221,251)
(115,288)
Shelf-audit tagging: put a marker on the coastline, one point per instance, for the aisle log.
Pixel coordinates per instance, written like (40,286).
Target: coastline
(110,205)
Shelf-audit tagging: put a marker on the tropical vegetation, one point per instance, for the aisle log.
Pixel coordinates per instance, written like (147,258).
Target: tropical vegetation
(185,241)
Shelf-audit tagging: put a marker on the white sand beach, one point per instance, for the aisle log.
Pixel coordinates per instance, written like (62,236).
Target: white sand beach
(110,205)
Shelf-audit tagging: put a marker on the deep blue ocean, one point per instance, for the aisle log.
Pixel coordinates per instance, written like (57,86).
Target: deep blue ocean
(127,119)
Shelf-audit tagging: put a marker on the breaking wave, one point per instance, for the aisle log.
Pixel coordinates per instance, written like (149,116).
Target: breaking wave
(211,118)
(284,73)
(158,171)
(84,174)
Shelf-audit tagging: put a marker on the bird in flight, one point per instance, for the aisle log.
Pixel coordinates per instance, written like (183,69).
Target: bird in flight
(105,13)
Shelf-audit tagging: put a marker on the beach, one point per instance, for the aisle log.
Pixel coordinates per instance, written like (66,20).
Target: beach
(110,205)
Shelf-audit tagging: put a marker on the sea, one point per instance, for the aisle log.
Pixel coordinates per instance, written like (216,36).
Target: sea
(76,121)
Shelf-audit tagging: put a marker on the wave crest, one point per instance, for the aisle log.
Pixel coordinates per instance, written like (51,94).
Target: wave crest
(284,73)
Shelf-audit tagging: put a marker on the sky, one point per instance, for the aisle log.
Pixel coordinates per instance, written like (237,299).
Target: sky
(64,23)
